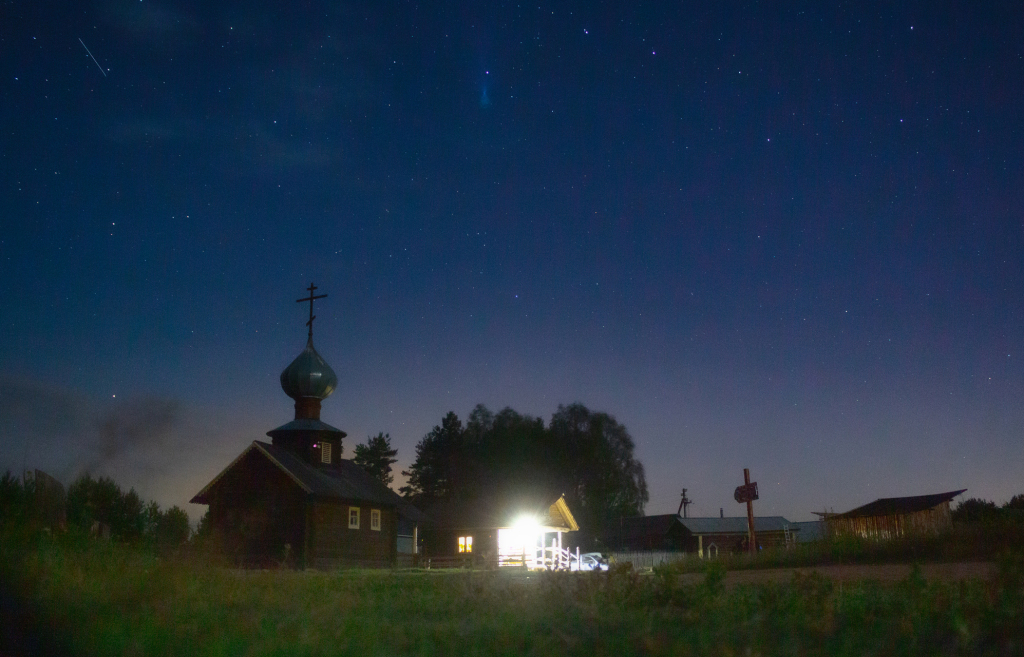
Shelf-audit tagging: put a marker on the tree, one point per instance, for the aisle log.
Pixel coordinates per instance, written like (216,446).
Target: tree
(15,499)
(435,472)
(1016,503)
(976,510)
(166,529)
(606,481)
(376,457)
(586,455)
(102,500)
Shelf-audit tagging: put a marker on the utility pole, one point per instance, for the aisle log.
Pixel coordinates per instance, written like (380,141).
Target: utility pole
(748,493)
(750,511)
(683,503)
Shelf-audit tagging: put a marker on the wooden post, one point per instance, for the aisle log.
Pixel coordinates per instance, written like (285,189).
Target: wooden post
(751,537)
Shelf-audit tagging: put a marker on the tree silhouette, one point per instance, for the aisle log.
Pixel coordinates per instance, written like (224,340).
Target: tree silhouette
(376,457)
(586,455)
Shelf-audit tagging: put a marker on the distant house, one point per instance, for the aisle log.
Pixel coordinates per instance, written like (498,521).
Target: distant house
(672,532)
(662,533)
(809,531)
(296,502)
(894,517)
(513,529)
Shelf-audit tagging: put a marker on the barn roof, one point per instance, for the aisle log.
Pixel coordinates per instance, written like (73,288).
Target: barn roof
(737,525)
(640,532)
(649,531)
(641,528)
(893,506)
(346,480)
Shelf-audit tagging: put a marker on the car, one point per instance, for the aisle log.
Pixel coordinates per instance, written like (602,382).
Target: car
(589,561)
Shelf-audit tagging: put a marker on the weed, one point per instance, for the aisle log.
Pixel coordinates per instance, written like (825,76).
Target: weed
(97,598)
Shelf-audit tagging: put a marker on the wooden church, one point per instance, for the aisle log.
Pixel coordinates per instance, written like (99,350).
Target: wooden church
(294,501)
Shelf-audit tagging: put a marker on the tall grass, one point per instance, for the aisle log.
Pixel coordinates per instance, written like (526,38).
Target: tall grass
(986,541)
(80,596)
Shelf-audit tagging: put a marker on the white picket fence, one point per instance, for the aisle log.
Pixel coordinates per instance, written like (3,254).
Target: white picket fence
(645,559)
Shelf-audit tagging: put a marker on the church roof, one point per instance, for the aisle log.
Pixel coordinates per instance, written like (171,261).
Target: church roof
(344,481)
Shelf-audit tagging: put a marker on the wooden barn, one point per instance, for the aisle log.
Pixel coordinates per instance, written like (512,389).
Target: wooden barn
(519,529)
(894,517)
(296,502)
(704,536)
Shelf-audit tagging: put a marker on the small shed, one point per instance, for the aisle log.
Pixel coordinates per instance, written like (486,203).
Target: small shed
(894,517)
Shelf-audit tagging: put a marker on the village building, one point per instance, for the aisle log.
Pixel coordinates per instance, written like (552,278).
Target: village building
(703,536)
(295,501)
(507,530)
(894,517)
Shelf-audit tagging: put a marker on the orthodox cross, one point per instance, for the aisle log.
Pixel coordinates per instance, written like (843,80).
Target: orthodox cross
(310,299)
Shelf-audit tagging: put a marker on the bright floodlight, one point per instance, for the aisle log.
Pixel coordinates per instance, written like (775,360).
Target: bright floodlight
(526,524)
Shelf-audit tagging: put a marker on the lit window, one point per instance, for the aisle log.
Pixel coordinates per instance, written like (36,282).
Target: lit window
(375,519)
(325,453)
(465,544)
(353,517)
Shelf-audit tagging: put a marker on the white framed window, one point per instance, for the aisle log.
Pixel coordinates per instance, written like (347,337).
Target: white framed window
(465,544)
(353,517)
(375,519)
(325,452)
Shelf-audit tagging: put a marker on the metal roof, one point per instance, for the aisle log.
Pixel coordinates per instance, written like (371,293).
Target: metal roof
(810,530)
(306,424)
(650,526)
(892,506)
(734,525)
(345,481)
(637,526)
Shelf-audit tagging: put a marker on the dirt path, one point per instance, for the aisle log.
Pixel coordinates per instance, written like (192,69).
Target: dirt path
(882,572)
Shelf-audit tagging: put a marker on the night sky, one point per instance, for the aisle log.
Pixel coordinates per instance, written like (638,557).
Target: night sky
(783,236)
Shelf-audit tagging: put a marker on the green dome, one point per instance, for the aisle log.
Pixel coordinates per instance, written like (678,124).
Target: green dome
(309,375)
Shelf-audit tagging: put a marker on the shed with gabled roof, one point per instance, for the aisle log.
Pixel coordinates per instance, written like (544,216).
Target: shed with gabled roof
(894,517)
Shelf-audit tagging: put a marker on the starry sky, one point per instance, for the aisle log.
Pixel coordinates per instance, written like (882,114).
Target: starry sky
(782,236)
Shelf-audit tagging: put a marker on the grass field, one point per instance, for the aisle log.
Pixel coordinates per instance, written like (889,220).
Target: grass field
(76,596)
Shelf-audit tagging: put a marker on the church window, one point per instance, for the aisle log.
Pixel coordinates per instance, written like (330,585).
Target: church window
(353,517)
(325,452)
(375,519)
(465,544)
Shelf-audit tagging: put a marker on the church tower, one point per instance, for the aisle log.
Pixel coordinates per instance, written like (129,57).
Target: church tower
(309,380)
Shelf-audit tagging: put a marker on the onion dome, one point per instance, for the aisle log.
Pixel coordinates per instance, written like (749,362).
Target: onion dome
(309,376)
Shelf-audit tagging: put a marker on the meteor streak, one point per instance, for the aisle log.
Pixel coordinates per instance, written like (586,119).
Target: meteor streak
(93,58)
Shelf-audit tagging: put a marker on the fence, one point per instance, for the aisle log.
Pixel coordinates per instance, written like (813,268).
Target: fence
(645,559)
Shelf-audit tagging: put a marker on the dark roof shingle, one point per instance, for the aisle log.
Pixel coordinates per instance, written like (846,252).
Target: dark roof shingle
(345,481)
(892,506)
